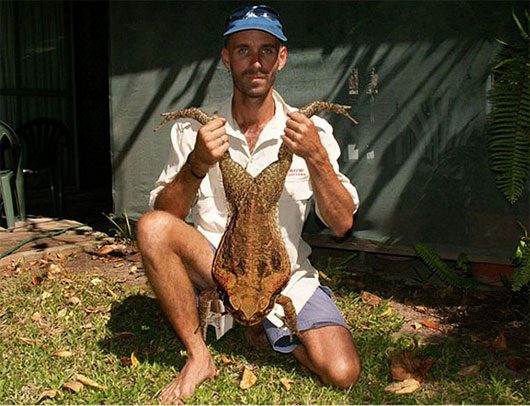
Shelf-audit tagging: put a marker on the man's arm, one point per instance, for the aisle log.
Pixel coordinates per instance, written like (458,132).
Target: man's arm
(178,195)
(335,204)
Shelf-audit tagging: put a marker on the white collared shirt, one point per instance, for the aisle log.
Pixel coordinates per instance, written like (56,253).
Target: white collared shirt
(209,213)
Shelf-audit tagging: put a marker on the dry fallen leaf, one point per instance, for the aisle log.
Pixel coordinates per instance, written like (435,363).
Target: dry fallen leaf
(125,362)
(421,308)
(36,317)
(27,340)
(73,386)
(74,300)
(49,394)
(112,249)
(96,281)
(500,342)
(286,383)
(416,325)
(63,354)
(133,269)
(45,295)
(62,313)
(370,298)
(430,324)
(403,388)
(105,309)
(228,361)
(36,280)
(54,269)
(105,250)
(248,379)
(112,293)
(88,382)
(470,370)
(134,361)
(406,366)
(517,364)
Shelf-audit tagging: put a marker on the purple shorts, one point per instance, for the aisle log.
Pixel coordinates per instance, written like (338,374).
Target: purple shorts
(319,311)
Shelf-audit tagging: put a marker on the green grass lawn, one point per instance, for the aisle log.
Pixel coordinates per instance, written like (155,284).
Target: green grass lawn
(101,322)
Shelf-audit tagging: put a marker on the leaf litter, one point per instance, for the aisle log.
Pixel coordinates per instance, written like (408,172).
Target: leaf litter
(248,379)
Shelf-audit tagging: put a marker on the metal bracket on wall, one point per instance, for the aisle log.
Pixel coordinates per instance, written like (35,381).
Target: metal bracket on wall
(372,89)
(353,82)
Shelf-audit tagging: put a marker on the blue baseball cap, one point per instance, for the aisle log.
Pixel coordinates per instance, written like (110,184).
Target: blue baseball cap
(263,18)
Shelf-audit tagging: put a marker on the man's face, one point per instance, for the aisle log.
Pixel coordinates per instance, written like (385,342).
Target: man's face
(253,57)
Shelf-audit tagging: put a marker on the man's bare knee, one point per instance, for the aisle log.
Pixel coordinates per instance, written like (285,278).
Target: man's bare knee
(152,230)
(333,355)
(167,243)
(341,373)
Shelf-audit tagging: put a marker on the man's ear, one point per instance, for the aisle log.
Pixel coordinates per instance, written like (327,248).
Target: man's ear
(225,58)
(282,57)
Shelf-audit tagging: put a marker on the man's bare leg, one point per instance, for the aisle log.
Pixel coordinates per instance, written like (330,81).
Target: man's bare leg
(330,353)
(176,257)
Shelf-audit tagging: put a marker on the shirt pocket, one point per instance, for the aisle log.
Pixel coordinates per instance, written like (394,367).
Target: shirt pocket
(297,184)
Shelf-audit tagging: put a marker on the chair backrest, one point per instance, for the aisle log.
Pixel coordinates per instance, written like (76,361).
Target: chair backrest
(44,141)
(10,149)
(11,152)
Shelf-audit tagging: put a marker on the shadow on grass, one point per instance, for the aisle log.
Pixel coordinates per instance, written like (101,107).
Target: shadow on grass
(153,340)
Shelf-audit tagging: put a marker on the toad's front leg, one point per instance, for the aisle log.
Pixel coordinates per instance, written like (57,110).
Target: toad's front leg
(289,318)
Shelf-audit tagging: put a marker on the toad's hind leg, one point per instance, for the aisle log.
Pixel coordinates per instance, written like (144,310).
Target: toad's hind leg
(206,298)
(289,319)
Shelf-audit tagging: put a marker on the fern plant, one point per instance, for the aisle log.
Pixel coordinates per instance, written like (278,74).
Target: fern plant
(521,260)
(509,123)
(449,275)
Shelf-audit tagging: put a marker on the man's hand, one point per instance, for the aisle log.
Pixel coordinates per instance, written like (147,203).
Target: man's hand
(301,136)
(212,143)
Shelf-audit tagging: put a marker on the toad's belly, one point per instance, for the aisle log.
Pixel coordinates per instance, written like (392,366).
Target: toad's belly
(252,262)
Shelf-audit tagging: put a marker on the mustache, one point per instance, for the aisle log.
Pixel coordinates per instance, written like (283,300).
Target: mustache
(254,72)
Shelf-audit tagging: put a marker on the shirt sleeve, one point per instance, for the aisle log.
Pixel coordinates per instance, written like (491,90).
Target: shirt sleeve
(332,147)
(183,137)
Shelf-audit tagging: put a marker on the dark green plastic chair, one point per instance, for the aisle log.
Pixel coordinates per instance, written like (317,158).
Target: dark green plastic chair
(45,142)
(11,176)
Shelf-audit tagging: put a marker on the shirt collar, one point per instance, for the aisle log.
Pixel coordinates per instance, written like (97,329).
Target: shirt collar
(273,129)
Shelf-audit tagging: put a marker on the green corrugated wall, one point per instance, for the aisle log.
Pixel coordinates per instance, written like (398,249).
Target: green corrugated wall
(418,157)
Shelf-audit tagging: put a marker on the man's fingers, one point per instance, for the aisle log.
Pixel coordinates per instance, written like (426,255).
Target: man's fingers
(223,147)
(217,141)
(298,117)
(292,135)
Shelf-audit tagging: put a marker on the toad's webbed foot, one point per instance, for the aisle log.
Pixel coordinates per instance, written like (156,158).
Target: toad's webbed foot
(318,106)
(206,298)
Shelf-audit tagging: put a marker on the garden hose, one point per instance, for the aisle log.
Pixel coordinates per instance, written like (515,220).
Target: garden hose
(37,237)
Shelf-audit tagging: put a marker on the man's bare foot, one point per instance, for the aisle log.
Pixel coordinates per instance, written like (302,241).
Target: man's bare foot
(196,371)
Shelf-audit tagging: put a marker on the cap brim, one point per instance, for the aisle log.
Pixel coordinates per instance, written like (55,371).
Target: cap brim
(244,25)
